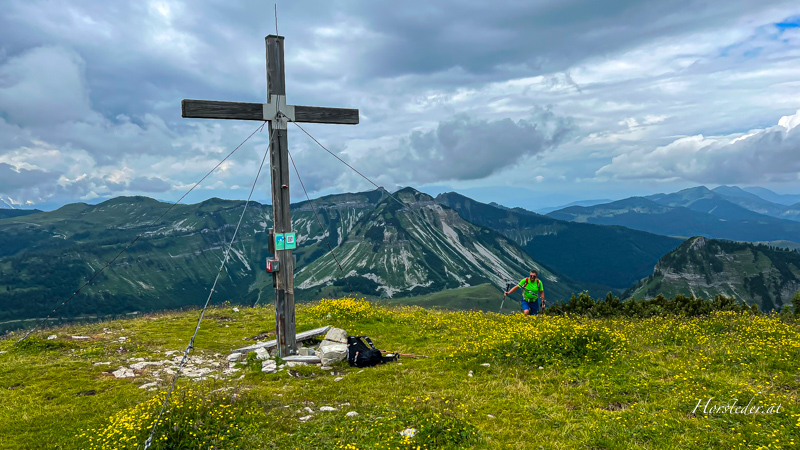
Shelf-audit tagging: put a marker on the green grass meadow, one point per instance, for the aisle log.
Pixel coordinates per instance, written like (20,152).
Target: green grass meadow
(489,381)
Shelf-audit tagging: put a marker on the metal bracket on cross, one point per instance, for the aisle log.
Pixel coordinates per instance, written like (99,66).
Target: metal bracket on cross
(278,112)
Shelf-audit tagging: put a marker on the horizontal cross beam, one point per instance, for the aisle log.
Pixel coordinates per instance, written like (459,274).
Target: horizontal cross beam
(209,109)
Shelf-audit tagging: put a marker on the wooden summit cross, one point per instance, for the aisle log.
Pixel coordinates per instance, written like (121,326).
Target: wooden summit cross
(277,113)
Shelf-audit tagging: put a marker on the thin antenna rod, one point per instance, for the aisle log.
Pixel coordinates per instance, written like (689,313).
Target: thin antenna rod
(276,20)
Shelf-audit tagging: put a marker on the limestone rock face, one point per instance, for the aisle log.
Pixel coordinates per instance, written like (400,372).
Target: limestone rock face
(334,348)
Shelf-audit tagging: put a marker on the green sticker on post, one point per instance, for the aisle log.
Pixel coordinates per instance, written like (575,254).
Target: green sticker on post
(280,241)
(290,241)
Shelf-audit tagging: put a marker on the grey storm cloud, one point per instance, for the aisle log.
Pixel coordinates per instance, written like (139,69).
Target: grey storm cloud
(466,148)
(12,179)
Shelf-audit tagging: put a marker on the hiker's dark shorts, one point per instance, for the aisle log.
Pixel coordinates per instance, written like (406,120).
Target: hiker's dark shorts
(533,306)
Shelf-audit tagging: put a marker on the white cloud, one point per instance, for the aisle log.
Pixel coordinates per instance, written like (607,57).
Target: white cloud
(771,154)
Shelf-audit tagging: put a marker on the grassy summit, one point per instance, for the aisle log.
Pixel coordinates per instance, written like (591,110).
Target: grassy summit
(490,381)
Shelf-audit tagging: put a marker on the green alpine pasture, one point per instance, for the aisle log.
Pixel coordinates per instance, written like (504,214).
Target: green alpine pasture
(489,381)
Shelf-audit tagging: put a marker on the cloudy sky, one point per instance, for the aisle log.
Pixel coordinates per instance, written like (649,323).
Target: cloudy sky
(528,104)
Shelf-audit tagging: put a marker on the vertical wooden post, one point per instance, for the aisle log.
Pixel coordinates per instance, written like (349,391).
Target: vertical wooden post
(279,173)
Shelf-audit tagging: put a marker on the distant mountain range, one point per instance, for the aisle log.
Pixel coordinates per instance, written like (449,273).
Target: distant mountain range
(694,212)
(610,256)
(387,250)
(760,274)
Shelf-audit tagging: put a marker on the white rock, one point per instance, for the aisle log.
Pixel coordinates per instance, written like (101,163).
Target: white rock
(142,365)
(344,404)
(81,337)
(540,367)
(51,337)
(262,354)
(122,339)
(338,379)
(171,352)
(470,373)
(123,372)
(486,364)
(490,416)
(3,351)
(295,363)
(327,408)
(409,432)
(103,363)
(233,357)
(281,366)
(305,351)
(148,385)
(326,367)
(235,309)
(334,347)
(193,372)
(305,418)
(309,410)
(269,366)
(351,414)
(360,371)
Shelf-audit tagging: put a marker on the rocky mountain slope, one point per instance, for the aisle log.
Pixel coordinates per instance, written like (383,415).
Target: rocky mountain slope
(419,248)
(579,250)
(387,251)
(754,273)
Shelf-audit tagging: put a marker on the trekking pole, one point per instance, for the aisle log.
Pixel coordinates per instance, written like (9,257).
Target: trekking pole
(508,286)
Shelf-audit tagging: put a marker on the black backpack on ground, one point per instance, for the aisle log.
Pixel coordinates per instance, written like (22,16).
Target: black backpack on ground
(360,354)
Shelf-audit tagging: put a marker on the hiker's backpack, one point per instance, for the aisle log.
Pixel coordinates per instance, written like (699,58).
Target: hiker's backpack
(360,354)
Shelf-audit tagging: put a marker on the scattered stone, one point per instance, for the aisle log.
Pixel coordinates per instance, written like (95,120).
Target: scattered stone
(305,351)
(233,357)
(344,404)
(470,374)
(199,373)
(136,359)
(86,393)
(326,367)
(327,408)
(122,339)
(310,411)
(104,363)
(486,364)
(490,416)
(351,414)
(305,418)
(123,372)
(540,367)
(262,354)
(3,351)
(171,352)
(338,379)
(295,364)
(235,309)
(51,337)
(148,385)
(81,337)
(334,347)
(409,432)
(143,364)
(360,371)
(269,366)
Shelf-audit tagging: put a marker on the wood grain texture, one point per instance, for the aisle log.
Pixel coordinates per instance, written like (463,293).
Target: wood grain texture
(276,76)
(317,114)
(210,109)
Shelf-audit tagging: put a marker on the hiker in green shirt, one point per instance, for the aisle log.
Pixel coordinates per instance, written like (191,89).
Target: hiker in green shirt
(532,291)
